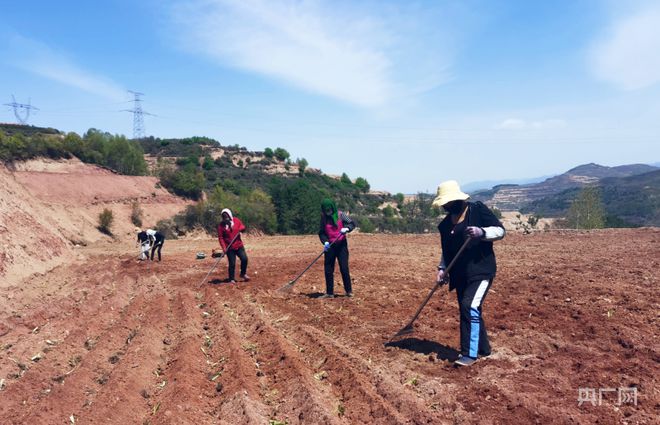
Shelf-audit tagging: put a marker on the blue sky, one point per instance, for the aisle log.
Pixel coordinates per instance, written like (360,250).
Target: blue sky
(404,93)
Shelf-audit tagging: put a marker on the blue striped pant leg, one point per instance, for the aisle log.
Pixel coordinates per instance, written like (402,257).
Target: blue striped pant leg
(474,339)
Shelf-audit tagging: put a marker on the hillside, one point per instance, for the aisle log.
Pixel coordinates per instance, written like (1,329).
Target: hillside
(634,199)
(49,207)
(517,197)
(273,193)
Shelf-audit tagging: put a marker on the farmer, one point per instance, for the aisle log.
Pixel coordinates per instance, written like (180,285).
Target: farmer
(157,240)
(229,228)
(474,270)
(333,229)
(143,242)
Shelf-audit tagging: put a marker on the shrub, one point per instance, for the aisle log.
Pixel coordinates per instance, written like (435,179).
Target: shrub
(105,221)
(136,214)
(366,226)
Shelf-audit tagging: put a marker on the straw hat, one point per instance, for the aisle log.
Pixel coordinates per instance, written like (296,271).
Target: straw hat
(449,191)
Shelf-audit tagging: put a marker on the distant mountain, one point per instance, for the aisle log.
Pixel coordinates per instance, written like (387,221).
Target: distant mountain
(514,197)
(486,184)
(634,200)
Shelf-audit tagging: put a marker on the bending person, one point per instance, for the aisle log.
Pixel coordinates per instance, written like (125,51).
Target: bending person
(143,242)
(157,241)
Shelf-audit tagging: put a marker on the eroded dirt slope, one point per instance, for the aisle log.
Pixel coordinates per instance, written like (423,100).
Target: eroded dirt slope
(110,340)
(47,207)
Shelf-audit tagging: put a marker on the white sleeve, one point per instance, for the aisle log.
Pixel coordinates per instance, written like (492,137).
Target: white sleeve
(493,233)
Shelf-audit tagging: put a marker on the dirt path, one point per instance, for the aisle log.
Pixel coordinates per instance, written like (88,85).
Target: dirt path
(111,340)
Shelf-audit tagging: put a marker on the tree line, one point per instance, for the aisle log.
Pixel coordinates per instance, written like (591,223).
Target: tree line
(94,147)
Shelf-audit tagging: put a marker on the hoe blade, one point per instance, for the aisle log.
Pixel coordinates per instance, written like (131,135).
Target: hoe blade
(404,331)
(286,288)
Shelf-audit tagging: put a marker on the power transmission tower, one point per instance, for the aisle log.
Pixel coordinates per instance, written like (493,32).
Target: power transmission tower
(22,118)
(138,115)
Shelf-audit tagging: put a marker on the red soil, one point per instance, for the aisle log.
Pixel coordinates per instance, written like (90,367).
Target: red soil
(117,341)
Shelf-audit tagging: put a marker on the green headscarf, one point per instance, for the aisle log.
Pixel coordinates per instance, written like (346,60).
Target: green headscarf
(327,204)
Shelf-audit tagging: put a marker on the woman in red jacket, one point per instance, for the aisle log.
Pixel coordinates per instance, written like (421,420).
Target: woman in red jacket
(229,228)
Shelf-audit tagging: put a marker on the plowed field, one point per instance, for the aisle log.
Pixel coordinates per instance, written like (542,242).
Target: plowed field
(108,339)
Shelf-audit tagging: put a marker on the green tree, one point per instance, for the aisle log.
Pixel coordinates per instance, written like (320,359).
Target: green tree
(208,163)
(362,184)
(399,198)
(586,211)
(188,182)
(302,165)
(281,154)
(268,153)
(345,179)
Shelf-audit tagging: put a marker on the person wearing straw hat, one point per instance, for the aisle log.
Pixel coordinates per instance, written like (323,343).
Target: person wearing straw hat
(474,271)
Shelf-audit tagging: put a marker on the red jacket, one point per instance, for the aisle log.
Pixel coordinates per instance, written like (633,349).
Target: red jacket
(227,233)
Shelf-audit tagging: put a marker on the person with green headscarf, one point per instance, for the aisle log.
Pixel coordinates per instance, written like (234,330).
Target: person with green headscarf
(334,226)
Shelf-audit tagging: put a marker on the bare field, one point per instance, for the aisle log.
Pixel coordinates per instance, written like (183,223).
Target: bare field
(107,339)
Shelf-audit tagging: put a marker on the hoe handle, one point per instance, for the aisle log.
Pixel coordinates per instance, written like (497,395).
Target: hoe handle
(290,284)
(437,284)
(218,260)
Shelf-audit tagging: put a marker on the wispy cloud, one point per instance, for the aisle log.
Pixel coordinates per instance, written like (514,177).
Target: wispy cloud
(40,59)
(628,54)
(332,48)
(520,124)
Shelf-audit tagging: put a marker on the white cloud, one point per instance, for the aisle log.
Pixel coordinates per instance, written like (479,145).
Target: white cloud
(40,59)
(629,54)
(329,48)
(519,124)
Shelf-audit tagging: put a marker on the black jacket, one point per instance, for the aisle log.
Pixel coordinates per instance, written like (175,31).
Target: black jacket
(478,260)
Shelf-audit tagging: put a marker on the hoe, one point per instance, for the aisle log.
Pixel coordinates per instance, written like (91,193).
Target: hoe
(218,260)
(408,329)
(289,285)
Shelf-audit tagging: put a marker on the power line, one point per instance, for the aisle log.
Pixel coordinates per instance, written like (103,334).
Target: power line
(26,108)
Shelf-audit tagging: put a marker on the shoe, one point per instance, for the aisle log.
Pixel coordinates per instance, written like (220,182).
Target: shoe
(349,294)
(326,296)
(481,354)
(464,361)
(245,278)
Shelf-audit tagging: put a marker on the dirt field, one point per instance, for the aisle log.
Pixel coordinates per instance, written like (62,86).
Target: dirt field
(111,340)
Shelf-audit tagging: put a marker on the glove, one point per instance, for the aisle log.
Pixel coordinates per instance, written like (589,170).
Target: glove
(344,230)
(326,246)
(441,279)
(474,232)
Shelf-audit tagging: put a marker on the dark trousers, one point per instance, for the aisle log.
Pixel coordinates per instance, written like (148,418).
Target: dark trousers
(231,258)
(158,245)
(338,251)
(474,339)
